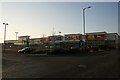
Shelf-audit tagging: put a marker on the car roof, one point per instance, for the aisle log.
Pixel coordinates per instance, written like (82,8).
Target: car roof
(26,47)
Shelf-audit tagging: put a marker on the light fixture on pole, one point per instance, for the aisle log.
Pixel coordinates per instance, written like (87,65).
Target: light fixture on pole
(59,33)
(5,36)
(16,35)
(5,32)
(84,24)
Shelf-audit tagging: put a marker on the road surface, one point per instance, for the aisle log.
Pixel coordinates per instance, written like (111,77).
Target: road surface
(103,65)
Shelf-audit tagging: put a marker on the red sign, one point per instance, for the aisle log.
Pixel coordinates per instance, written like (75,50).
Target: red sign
(73,37)
(100,37)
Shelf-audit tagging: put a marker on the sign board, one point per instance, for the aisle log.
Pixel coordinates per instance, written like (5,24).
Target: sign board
(73,37)
(95,37)
(90,37)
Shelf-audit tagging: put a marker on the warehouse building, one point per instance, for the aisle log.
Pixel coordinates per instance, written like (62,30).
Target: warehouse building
(55,41)
(72,40)
(23,40)
(112,39)
(96,39)
(37,41)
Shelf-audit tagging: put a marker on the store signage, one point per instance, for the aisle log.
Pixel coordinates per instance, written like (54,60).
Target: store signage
(95,37)
(72,37)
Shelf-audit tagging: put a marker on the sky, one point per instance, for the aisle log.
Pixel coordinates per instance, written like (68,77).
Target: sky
(40,18)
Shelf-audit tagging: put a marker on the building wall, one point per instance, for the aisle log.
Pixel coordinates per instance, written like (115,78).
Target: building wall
(38,41)
(44,39)
(114,37)
(23,38)
(95,39)
(55,38)
(96,36)
(11,41)
(76,40)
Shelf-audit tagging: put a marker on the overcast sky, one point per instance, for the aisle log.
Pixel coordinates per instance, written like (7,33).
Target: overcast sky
(38,18)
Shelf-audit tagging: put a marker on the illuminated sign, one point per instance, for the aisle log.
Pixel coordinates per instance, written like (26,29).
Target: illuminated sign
(95,37)
(100,37)
(90,37)
(73,37)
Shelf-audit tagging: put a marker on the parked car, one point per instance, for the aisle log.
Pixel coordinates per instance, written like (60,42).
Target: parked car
(26,50)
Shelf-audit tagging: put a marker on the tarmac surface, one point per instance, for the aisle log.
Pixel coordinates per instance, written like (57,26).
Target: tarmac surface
(93,65)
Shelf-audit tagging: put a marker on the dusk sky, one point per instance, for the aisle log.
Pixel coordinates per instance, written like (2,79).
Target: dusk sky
(38,18)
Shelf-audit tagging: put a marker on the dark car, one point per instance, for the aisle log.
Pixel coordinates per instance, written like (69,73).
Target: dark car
(26,50)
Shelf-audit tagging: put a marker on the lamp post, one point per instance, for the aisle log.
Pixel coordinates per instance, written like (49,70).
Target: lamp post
(5,35)
(59,33)
(84,25)
(16,35)
(5,32)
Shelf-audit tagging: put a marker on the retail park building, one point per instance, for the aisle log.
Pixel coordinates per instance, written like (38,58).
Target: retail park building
(71,40)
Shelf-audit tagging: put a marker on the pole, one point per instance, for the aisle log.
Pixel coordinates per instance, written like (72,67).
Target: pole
(16,35)
(84,44)
(5,35)
(84,21)
(84,28)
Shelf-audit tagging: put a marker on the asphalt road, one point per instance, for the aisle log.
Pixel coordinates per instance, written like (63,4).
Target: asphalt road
(103,65)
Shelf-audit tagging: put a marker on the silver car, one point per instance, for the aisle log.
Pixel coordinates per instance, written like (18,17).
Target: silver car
(26,50)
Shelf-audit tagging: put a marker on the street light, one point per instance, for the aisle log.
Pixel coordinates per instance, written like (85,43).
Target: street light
(5,32)
(84,24)
(16,35)
(59,33)
(5,35)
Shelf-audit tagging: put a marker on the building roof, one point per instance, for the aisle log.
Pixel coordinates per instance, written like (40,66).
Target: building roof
(23,36)
(113,33)
(55,36)
(97,33)
(34,38)
(39,38)
(73,34)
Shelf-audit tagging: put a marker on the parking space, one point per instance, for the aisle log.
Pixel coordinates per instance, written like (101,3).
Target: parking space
(51,66)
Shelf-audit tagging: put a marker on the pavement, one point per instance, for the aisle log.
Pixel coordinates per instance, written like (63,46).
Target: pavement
(98,65)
